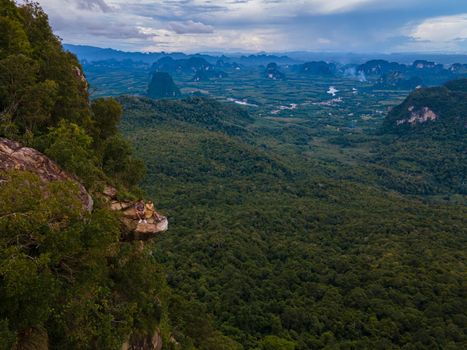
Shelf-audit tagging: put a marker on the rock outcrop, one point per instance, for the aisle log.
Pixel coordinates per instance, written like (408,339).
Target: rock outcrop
(13,156)
(421,115)
(133,229)
(149,342)
(79,74)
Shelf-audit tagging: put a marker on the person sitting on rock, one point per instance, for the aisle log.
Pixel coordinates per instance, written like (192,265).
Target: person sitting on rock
(140,211)
(151,212)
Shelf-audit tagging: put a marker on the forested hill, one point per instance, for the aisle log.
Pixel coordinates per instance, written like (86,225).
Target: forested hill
(196,111)
(66,279)
(282,251)
(425,141)
(274,244)
(438,111)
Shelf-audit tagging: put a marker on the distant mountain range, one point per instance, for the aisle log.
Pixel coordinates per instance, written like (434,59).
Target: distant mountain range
(92,53)
(397,73)
(386,74)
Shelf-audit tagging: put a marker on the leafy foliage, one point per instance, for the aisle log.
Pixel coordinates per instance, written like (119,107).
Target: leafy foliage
(66,280)
(106,113)
(271,246)
(32,62)
(283,251)
(427,157)
(56,272)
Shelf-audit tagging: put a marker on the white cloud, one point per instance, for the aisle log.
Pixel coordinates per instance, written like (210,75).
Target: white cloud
(258,11)
(92,5)
(436,34)
(323,41)
(190,27)
(253,40)
(277,25)
(333,6)
(442,29)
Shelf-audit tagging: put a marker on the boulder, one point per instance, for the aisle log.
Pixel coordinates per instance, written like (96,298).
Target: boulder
(13,156)
(109,192)
(133,229)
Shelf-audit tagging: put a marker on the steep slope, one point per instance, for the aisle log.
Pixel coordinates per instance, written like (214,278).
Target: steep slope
(66,279)
(425,138)
(162,86)
(380,67)
(439,111)
(397,80)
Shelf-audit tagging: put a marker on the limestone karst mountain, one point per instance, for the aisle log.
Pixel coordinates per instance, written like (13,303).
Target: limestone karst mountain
(272,72)
(162,86)
(437,110)
(187,66)
(398,80)
(320,68)
(426,141)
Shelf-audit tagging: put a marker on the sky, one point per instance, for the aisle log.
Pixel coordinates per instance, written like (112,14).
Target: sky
(383,26)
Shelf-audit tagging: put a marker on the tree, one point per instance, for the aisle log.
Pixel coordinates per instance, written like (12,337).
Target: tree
(36,113)
(70,146)
(106,116)
(271,342)
(17,74)
(13,38)
(117,161)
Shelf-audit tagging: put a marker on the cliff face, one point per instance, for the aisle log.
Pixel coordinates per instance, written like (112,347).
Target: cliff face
(133,229)
(13,156)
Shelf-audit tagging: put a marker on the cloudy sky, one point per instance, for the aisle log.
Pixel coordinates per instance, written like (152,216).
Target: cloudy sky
(263,25)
